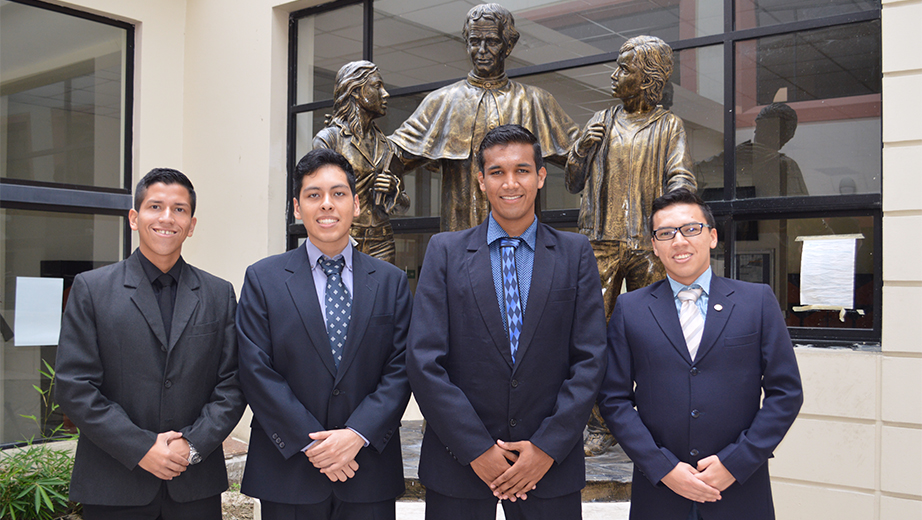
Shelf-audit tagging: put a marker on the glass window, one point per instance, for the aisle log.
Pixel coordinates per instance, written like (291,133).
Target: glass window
(760,13)
(63,98)
(40,244)
(326,42)
(808,113)
(417,43)
(771,252)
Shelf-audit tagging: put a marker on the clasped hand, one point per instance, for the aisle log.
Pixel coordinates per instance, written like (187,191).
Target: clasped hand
(701,484)
(512,469)
(334,453)
(168,457)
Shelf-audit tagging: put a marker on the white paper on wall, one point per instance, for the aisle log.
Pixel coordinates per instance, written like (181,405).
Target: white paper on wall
(38,311)
(827,270)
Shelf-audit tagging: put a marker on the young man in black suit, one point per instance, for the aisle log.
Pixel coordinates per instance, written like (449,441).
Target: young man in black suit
(147,369)
(322,331)
(506,368)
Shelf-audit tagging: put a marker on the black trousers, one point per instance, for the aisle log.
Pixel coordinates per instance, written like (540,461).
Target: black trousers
(330,509)
(442,507)
(162,508)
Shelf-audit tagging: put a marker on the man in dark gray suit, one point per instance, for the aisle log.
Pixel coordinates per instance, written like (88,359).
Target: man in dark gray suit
(147,369)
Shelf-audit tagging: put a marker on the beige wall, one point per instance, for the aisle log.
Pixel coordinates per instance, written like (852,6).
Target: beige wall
(855,452)
(210,100)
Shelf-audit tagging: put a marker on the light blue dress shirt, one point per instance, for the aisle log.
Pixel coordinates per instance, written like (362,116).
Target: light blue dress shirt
(524,262)
(703,281)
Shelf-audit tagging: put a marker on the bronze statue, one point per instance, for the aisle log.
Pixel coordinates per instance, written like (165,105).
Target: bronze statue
(450,122)
(625,157)
(359,98)
(772,173)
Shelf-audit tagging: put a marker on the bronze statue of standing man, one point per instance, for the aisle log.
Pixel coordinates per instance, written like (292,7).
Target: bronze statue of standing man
(627,156)
(359,97)
(450,123)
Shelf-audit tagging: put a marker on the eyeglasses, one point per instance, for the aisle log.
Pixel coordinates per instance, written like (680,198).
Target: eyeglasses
(688,230)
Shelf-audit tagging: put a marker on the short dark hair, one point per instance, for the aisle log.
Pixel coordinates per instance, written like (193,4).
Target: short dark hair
(506,134)
(165,176)
(316,159)
(681,196)
(786,116)
(495,13)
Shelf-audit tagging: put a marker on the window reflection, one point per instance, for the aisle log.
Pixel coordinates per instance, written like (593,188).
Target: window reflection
(768,251)
(63,98)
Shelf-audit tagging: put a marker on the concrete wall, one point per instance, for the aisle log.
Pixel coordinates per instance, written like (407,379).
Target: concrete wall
(855,452)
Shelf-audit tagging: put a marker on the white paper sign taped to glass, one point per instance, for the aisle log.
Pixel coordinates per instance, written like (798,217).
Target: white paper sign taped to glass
(38,311)
(827,272)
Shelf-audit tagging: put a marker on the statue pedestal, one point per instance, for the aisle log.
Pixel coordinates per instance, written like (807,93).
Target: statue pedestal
(608,477)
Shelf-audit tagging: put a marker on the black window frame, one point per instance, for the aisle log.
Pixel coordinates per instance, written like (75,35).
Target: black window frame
(71,198)
(727,211)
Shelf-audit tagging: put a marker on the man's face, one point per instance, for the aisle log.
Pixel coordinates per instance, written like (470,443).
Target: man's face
(685,258)
(627,78)
(487,48)
(163,223)
(373,97)
(511,182)
(327,208)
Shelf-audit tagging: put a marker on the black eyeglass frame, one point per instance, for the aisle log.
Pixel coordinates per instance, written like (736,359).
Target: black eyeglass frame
(676,230)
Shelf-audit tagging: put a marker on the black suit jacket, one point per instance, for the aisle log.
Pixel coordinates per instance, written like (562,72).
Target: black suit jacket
(686,411)
(288,376)
(122,381)
(461,369)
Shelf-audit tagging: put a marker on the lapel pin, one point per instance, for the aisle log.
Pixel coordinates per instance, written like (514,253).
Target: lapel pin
(718,307)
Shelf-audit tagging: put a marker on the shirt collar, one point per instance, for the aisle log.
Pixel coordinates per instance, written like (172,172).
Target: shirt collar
(314,254)
(153,272)
(703,281)
(487,83)
(496,232)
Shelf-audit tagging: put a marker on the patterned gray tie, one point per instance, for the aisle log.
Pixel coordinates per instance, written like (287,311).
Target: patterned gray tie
(338,306)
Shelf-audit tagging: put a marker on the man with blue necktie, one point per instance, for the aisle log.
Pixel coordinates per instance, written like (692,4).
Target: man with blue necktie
(322,333)
(689,361)
(505,352)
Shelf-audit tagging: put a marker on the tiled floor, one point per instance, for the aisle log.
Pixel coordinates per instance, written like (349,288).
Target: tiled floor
(591,511)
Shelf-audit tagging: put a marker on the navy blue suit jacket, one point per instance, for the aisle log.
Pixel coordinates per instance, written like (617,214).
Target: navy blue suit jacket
(461,369)
(288,376)
(686,411)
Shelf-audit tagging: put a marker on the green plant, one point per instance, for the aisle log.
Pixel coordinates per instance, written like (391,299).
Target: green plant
(34,479)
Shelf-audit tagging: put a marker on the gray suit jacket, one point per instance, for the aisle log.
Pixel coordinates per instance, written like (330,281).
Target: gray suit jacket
(122,381)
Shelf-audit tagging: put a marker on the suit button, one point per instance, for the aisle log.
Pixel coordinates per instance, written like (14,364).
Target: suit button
(336,391)
(275,436)
(693,453)
(168,383)
(163,348)
(695,414)
(281,445)
(515,383)
(512,423)
(694,371)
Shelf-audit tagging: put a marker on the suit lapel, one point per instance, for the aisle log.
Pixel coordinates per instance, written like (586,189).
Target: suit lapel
(480,272)
(186,302)
(364,288)
(143,296)
(716,320)
(664,312)
(304,295)
(540,288)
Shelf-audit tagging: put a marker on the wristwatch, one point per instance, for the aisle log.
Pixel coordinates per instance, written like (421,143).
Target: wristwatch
(194,456)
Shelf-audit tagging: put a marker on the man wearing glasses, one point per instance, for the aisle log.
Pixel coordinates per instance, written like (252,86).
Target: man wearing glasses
(689,358)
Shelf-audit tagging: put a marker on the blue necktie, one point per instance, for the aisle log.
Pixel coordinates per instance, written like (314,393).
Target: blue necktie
(338,305)
(511,292)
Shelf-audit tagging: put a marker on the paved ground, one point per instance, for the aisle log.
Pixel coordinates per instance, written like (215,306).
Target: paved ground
(591,511)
